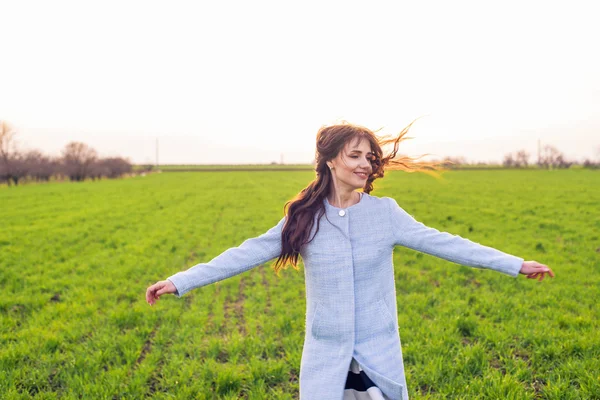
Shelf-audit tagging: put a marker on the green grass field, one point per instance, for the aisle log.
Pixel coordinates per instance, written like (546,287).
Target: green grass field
(76,258)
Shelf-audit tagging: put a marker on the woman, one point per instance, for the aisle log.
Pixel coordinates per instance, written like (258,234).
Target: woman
(346,238)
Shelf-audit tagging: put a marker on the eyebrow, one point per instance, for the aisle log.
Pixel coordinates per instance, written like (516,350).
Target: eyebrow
(358,151)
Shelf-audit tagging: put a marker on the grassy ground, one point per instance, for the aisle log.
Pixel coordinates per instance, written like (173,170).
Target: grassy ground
(76,259)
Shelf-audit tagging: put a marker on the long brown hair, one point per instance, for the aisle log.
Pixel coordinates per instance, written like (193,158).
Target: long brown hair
(301,210)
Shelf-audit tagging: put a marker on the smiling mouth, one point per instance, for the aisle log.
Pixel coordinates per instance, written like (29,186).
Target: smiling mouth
(363,175)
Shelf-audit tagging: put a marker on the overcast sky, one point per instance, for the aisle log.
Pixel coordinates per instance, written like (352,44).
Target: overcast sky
(252,81)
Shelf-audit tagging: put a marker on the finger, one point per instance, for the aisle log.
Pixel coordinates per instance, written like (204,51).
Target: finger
(152,288)
(543,271)
(162,291)
(149,295)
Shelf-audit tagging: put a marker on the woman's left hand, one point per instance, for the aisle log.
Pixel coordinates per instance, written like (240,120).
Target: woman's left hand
(535,270)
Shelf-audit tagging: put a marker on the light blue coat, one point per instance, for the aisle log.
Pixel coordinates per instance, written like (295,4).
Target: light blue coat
(350,290)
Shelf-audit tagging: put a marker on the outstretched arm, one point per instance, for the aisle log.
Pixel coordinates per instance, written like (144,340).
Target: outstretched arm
(412,234)
(233,261)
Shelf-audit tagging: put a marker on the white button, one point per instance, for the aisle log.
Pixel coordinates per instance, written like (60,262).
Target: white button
(342,213)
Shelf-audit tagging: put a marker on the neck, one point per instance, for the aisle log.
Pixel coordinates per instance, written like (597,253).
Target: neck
(343,198)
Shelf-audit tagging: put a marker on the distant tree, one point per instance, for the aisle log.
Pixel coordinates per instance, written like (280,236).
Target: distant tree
(39,166)
(521,159)
(114,167)
(453,162)
(591,164)
(551,157)
(119,166)
(509,161)
(78,159)
(19,168)
(8,153)
(98,169)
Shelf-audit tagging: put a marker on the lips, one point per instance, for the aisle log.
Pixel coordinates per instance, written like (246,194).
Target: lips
(362,175)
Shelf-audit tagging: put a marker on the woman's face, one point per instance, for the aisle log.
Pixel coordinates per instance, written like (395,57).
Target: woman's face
(352,165)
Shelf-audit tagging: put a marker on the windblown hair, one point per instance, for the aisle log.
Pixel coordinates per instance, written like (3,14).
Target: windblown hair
(307,204)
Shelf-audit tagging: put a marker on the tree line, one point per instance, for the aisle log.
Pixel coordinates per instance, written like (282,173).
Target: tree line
(77,162)
(549,157)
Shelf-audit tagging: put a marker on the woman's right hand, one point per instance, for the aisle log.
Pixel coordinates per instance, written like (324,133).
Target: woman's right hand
(158,289)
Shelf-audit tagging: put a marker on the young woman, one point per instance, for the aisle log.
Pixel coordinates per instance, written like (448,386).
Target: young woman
(346,238)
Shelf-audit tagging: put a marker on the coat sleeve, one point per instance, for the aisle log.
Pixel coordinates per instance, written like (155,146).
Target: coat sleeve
(412,234)
(249,254)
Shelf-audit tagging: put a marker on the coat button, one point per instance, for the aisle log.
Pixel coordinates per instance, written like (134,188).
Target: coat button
(342,213)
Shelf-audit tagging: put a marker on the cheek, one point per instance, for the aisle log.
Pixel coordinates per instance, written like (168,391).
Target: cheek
(349,169)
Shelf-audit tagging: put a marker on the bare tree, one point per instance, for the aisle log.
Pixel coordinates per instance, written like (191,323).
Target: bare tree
(39,166)
(551,157)
(453,162)
(112,167)
(8,151)
(77,160)
(98,169)
(509,161)
(117,167)
(521,159)
(18,168)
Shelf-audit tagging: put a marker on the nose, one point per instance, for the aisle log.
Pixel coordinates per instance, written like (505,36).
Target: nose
(364,163)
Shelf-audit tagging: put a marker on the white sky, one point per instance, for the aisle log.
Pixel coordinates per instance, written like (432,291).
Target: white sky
(248,81)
